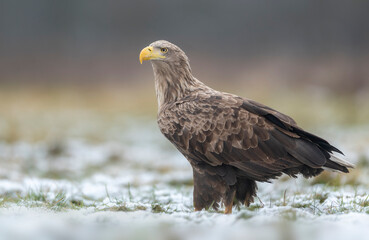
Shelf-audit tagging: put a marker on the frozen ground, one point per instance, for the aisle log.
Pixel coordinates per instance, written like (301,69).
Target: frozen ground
(122,180)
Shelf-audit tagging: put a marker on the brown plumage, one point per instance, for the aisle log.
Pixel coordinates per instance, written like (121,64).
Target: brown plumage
(231,142)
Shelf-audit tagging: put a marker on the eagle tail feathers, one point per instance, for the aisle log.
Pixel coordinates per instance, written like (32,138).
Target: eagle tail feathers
(335,163)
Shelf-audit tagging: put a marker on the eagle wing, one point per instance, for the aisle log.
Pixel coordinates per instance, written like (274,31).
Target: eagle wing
(258,142)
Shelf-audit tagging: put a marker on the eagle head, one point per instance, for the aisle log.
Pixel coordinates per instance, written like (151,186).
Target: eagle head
(163,51)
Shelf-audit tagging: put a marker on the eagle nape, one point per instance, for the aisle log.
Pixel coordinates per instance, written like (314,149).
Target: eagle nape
(231,142)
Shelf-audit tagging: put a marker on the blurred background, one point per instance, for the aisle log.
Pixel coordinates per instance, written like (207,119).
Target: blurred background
(321,48)
(70,70)
(84,54)
(77,110)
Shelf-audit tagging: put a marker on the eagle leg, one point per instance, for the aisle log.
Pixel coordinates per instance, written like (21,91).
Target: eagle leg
(228,200)
(208,189)
(246,191)
(228,209)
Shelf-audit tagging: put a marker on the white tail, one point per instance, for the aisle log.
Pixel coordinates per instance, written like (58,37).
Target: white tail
(341,162)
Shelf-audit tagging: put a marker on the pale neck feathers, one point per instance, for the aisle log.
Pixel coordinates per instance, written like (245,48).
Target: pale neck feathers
(173,81)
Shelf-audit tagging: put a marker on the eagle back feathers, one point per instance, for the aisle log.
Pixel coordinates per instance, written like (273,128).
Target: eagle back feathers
(219,128)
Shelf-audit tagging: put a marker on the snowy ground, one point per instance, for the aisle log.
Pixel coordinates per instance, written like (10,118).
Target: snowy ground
(124,181)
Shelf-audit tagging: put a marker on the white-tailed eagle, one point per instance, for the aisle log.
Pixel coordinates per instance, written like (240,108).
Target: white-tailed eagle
(230,141)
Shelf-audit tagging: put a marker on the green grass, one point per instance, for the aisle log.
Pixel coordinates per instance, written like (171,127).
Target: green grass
(290,203)
(244,216)
(41,199)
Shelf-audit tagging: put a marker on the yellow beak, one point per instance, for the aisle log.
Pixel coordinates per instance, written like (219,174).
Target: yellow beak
(149,53)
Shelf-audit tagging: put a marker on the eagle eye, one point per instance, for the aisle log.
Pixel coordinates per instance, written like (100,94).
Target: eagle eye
(164,50)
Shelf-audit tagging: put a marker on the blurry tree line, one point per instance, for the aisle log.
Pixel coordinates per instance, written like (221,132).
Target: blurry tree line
(78,41)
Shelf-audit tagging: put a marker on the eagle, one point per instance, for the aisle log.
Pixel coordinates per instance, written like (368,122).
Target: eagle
(231,142)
